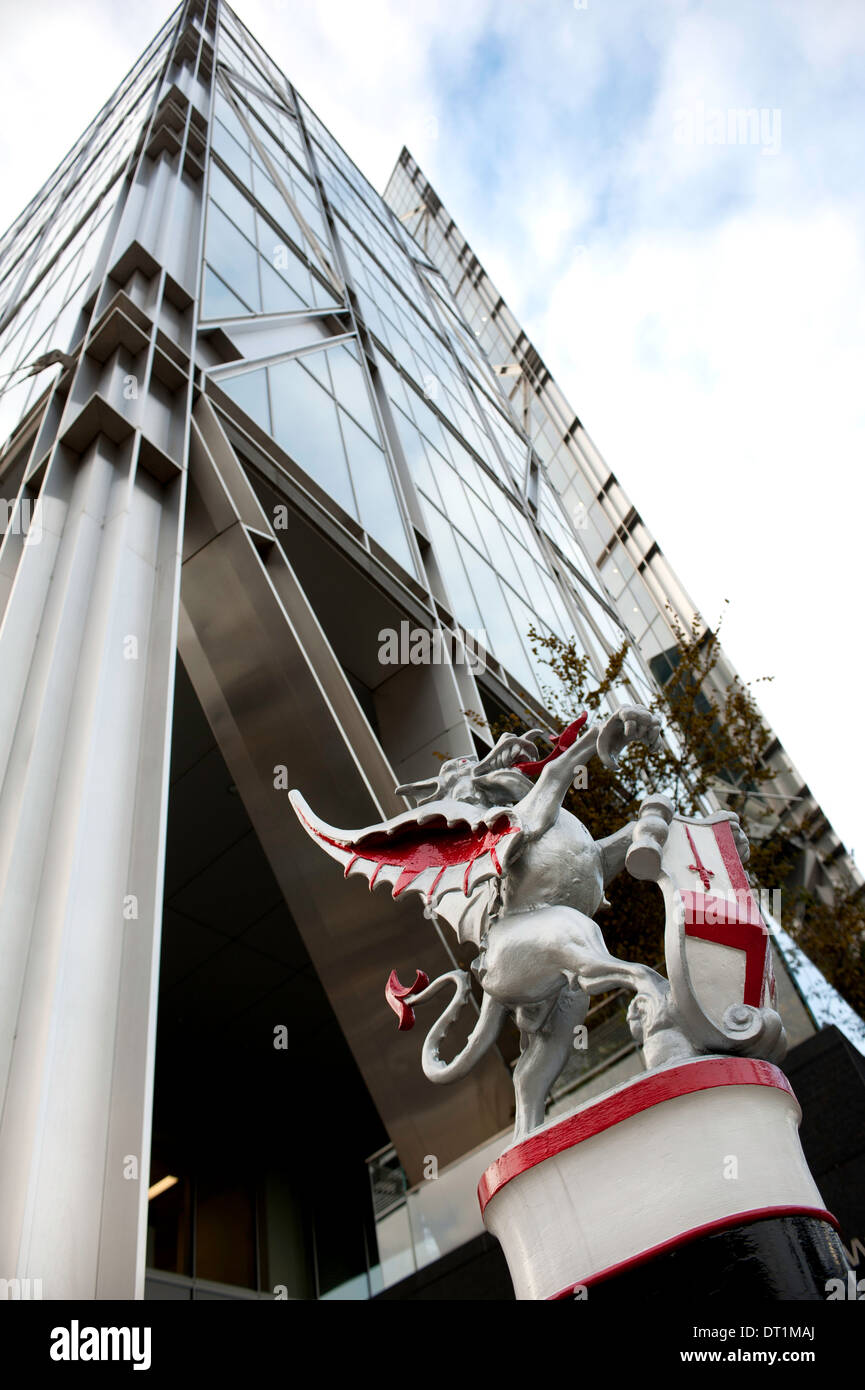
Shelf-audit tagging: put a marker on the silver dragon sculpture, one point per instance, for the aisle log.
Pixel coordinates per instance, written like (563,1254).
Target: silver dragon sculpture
(497,858)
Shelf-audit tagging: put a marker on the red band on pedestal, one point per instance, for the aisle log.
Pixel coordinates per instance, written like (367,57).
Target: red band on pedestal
(650,1090)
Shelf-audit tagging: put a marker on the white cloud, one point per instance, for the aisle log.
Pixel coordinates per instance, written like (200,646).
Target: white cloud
(720,376)
(365,68)
(59,62)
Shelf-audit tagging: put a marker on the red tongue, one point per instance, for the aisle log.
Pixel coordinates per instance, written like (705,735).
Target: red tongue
(561,742)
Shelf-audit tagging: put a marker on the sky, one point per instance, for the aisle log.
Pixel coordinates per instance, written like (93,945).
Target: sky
(696,285)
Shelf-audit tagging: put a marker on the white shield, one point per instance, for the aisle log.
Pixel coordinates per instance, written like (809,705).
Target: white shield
(717,944)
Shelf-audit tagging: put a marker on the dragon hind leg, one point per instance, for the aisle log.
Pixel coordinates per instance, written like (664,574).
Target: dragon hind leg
(546,1036)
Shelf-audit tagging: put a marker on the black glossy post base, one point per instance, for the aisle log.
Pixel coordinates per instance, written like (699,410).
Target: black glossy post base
(776,1259)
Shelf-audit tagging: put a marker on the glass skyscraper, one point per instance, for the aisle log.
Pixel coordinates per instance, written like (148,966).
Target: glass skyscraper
(639,582)
(252,418)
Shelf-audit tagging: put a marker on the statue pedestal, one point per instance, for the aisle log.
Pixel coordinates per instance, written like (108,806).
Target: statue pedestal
(689,1180)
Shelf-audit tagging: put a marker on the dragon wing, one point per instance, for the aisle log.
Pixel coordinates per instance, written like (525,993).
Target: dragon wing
(468,916)
(448,851)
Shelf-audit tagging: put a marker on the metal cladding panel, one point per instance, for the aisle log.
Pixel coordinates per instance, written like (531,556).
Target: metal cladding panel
(275,697)
(90,635)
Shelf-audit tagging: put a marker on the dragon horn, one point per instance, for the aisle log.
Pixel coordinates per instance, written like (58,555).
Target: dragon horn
(417,789)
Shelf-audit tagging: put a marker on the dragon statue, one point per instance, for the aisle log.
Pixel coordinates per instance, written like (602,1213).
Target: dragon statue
(497,858)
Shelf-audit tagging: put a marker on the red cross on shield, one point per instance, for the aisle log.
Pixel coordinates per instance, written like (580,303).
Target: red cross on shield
(717,942)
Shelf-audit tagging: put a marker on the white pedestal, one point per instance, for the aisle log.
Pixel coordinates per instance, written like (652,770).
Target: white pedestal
(687,1149)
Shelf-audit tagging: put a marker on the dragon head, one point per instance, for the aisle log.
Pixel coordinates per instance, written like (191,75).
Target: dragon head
(500,778)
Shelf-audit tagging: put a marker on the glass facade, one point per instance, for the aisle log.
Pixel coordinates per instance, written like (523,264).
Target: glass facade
(48,254)
(291,228)
(616,556)
(498,562)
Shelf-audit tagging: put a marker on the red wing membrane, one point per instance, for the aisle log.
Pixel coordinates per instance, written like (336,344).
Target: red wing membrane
(452,852)
(426,849)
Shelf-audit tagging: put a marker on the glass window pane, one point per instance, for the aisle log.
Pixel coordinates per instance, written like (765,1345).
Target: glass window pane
(504,641)
(232,201)
(291,137)
(279,256)
(456,503)
(541,599)
(373,486)
(63,333)
(524,617)
(563,623)
(219,302)
(305,425)
(233,257)
(316,362)
(497,545)
(224,111)
(12,403)
(274,151)
(459,596)
(270,198)
(249,390)
(416,457)
(235,155)
(350,387)
(277,296)
(323,296)
(311,215)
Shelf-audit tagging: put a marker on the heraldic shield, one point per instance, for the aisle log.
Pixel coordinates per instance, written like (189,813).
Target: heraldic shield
(717,943)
